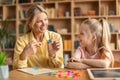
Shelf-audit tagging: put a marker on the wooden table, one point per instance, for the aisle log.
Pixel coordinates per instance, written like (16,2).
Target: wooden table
(18,75)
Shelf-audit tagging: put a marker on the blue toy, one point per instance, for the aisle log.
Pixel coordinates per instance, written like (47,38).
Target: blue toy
(50,40)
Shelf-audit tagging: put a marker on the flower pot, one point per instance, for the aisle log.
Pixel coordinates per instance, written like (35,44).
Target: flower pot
(4,71)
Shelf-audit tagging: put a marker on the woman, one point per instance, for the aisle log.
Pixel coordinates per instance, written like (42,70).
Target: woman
(34,48)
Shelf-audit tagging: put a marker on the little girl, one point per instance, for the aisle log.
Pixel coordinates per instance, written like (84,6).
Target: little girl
(94,50)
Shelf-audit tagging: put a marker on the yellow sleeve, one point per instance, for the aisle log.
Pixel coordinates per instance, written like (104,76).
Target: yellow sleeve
(19,46)
(57,62)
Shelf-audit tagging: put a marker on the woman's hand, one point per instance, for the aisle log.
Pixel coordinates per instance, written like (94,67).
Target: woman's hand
(53,47)
(29,49)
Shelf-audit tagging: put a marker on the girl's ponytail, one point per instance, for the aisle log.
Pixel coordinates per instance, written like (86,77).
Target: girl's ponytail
(106,37)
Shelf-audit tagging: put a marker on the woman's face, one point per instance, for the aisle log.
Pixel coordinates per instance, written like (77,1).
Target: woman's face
(85,35)
(41,23)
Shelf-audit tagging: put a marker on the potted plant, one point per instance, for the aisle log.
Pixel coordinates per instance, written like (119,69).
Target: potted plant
(4,69)
(4,33)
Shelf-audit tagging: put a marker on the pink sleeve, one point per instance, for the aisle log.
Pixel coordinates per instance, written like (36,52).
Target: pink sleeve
(77,53)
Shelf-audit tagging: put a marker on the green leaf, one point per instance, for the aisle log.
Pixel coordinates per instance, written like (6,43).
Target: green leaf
(2,58)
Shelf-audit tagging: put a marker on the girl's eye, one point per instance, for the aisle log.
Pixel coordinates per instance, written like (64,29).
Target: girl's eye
(81,33)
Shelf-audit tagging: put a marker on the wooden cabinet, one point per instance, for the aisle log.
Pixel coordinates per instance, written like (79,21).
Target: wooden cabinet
(65,17)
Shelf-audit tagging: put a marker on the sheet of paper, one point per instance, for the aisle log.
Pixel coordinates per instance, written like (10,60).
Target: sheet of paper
(35,71)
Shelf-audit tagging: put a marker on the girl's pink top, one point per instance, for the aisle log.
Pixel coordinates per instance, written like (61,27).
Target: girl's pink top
(82,54)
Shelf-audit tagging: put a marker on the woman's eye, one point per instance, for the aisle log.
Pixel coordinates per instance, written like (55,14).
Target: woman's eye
(38,21)
(46,19)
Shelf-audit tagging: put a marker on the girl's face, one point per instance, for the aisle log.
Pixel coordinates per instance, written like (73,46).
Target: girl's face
(41,23)
(85,35)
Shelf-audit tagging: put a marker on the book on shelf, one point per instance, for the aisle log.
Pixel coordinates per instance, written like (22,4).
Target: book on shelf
(10,42)
(60,12)
(23,1)
(118,44)
(22,13)
(111,27)
(0,2)
(9,1)
(119,10)
(38,0)
(112,46)
(77,11)
(104,10)
(76,28)
(1,17)
(51,12)
(67,45)
(13,1)
(21,28)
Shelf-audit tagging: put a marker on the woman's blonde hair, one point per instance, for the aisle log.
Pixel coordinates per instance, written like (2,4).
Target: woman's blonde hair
(103,36)
(31,16)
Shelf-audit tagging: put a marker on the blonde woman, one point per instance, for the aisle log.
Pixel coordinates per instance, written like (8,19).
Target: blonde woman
(33,48)
(94,50)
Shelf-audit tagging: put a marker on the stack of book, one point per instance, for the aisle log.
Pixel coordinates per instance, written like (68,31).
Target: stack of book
(104,10)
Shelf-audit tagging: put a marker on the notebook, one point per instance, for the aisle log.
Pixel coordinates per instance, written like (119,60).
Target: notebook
(104,73)
(34,71)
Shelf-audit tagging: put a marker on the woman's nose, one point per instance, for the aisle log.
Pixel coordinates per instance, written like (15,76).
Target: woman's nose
(43,22)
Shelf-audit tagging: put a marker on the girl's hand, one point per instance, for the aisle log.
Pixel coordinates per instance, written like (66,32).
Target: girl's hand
(74,60)
(29,49)
(53,47)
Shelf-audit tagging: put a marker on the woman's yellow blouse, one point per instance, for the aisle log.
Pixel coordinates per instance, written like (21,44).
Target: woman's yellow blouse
(41,58)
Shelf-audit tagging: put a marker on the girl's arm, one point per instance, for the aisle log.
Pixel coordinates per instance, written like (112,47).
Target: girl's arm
(104,62)
(100,63)
(77,65)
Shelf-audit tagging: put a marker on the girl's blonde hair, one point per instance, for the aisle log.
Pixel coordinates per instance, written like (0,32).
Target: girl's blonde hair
(31,13)
(103,36)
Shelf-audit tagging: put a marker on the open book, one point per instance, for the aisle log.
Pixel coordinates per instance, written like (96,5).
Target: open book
(34,71)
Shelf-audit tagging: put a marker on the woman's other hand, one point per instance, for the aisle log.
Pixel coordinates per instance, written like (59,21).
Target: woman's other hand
(53,47)
(29,49)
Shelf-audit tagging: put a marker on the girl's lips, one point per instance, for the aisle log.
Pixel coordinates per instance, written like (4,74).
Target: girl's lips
(80,40)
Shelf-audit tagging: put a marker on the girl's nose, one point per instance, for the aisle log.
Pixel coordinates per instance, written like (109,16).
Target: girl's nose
(79,36)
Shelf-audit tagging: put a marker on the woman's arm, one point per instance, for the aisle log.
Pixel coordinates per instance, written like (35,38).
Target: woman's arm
(57,59)
(19,46)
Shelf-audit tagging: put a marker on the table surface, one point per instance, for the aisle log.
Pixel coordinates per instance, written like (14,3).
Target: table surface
(18,75)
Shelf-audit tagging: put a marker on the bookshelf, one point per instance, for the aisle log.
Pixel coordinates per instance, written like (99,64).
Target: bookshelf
(65,16)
